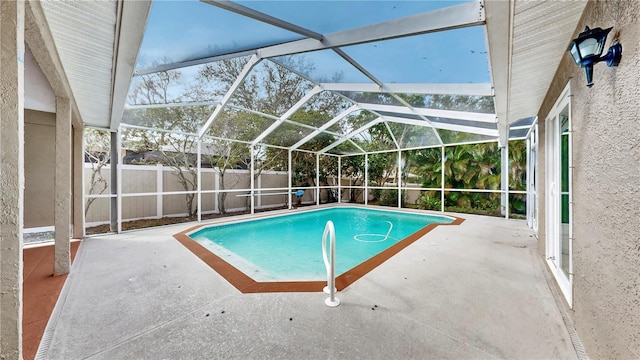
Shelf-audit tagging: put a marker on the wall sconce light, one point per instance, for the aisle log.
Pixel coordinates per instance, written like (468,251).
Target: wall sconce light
(587,48)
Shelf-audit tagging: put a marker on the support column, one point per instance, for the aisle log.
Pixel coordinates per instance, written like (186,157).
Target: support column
(11,176)
(118,170)
(160,189)
(529,201)
(504,180)
(399,174)
(366,179)
(199,179)
(339,179)
(253,180)
(78,183)
(442,177)
(113,171)
(317,179)
(290,168)
(62,204)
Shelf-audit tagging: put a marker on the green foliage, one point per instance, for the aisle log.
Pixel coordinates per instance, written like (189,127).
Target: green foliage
(518,204)
(517,165)
(429,200)
(382,168)
(473,166)
(481,104)
(426,164)
(389,197)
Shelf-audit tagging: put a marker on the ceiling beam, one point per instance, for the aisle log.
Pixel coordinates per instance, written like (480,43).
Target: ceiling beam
(444,126)
(253,61)
(286,115)
(452,17)
(498,29)
(132,20)
(325,126)
(352,134)
(170,105)
(408,106)
(440,89)
(38,37)
(184,64)
(262,17)
(450,114)
(356,65)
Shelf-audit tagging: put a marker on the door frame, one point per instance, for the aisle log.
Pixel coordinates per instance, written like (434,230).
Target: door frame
(553,195)
(533,156)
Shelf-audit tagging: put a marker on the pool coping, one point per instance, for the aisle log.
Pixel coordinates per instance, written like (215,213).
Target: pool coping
(247,285)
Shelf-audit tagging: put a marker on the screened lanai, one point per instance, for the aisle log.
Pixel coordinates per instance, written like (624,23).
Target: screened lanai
(388,103)
(146,111)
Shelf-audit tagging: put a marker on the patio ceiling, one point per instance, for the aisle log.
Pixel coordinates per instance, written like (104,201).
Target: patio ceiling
(508,51)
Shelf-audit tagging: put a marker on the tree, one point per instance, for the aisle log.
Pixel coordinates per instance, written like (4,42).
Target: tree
(518,175)
(271,89)
(97,153)
(174,149)
(481,104)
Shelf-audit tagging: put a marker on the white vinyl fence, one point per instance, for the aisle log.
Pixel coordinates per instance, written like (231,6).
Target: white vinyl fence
(153,191)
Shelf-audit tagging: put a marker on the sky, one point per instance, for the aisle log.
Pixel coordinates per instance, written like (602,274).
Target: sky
(184,30)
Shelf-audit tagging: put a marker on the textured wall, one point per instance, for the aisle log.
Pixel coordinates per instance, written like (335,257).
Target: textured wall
(606,187)
(39,166)
(11,176)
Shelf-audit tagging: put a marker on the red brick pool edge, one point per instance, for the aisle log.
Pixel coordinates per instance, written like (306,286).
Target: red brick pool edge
(246,284)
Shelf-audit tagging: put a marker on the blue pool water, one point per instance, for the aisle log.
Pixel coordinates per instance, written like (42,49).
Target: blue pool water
(289,247)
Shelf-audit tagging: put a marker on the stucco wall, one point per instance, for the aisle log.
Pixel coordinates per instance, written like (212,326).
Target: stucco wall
(606,186)
(39,166)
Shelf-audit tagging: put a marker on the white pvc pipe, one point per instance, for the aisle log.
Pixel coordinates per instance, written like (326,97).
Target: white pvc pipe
(339,179)
(253,180)
(119,160)
(317,179)
(329,263)
(199,179)
(366,178)
(442,177)
(290,180)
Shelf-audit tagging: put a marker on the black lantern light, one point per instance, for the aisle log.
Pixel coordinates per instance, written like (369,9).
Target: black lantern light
(587,48)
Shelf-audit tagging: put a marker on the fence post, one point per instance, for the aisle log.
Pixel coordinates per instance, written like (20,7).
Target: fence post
(399,175)
(259,191)
(252,180)
(317,193)
(504,183)
(290,181)
(216,181)
(339,179)
(199,179)
(159,186)
(442,178)
(366,179)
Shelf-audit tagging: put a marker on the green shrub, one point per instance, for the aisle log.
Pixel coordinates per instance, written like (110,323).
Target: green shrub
(427,202)
(389,197)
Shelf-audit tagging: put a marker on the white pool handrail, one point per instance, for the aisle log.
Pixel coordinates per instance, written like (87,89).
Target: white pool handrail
(330,289)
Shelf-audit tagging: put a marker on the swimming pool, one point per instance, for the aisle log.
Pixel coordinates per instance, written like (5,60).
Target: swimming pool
(287,248)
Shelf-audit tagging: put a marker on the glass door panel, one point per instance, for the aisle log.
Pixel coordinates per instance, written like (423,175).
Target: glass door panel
(565,227)
(558,194)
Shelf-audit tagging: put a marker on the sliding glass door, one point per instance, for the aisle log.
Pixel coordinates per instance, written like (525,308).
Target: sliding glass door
(558,193)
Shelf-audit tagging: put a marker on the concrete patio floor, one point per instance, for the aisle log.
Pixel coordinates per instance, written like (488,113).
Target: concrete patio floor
(471,291)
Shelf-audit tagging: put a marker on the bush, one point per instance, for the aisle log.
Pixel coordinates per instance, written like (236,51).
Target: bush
(427,202)
(389,197)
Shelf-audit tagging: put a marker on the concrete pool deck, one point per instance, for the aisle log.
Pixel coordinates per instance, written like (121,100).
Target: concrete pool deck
(471,291)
